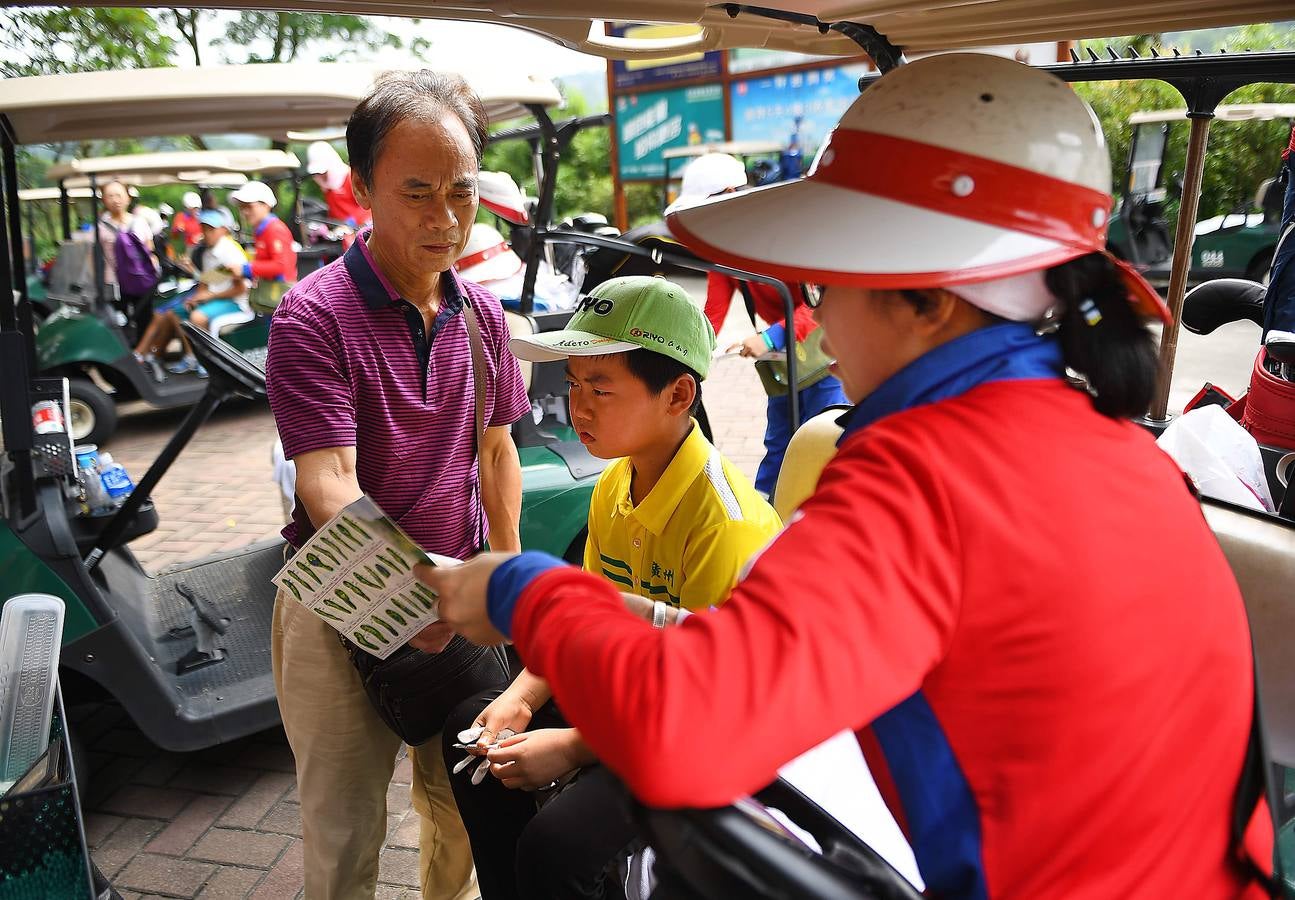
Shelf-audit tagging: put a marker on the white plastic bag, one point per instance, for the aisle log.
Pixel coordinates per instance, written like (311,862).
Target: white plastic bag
(1219,456)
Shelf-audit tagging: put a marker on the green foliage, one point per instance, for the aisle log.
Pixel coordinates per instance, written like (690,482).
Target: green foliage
(264,37)
(1239,155)
(584,175)
(43,41)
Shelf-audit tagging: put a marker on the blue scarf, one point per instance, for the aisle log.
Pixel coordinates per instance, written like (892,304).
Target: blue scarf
(1007,352)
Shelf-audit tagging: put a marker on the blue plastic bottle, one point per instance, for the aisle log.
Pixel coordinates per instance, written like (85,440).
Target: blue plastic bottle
(115,478)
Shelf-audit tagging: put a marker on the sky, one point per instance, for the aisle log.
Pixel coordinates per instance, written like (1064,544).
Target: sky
(466,45)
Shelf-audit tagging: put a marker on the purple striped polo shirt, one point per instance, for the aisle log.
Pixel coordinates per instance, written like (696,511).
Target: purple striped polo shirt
(348,366)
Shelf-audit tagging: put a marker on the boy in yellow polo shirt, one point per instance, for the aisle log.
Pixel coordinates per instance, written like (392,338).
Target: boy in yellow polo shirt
(670,521)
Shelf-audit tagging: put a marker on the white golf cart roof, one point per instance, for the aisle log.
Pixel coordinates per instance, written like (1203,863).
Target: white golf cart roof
(39,194)
(193,179)
(733,148)
(915,25)
(267,100)
(1235,112)
(188,166)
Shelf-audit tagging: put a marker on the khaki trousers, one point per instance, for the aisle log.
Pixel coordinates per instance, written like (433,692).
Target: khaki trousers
(345,759)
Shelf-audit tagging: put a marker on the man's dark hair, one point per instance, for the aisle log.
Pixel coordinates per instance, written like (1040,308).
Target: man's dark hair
(658,371)
(398,96)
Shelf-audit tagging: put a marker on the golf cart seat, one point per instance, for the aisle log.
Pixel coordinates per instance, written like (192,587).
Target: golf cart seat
(1261,550)
(72,276)
(1222,300)
(813,444)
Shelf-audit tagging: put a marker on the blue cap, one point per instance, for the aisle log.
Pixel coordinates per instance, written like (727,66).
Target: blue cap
(216,218)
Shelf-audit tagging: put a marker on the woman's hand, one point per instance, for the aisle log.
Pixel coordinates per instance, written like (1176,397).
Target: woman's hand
(461,595)
(536,759)
(752,347)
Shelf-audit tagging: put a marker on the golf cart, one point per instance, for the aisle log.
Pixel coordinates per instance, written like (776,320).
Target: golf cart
(85,337)
(1239,244)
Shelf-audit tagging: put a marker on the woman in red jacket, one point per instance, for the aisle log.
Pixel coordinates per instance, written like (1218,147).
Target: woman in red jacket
(1000,584)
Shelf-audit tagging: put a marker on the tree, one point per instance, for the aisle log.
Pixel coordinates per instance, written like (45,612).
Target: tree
(278,37)
(41,41)
(1239,155)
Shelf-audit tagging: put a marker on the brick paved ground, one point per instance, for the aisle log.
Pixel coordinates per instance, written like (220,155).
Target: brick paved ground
(225,822)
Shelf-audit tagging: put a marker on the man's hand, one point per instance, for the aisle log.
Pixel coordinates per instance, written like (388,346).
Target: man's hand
(433,639)
(462,596)
(536,759)
(752,347)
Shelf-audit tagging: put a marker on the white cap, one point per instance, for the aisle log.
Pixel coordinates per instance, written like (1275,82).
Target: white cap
(255,192)
(708,175)
(191,200)
(487,257)
(501,195)
(321,158)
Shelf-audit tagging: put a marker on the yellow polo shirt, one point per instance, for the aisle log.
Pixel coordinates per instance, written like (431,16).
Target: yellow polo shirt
(688,540)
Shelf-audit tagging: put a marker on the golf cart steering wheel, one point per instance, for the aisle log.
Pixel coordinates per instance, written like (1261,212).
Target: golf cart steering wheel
(225,365)
(741,851)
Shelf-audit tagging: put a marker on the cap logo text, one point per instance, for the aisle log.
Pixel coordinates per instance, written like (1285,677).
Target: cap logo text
(600,305)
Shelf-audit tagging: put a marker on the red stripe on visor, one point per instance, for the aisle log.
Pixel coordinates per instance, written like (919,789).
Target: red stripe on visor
(472,259)
(960,184)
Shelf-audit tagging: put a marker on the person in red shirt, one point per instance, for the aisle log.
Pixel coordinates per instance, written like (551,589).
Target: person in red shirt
(276,255)
(1000,583)
(185,223)
(334,178)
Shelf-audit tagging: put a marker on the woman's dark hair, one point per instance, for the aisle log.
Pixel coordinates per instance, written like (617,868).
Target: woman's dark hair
(398,96)
(1102,337)
(658,371)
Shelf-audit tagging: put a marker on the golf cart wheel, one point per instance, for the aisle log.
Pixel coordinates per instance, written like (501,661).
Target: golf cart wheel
(1260,268)
(93,414)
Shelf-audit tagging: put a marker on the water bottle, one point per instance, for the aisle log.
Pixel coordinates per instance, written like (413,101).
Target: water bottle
(115,479)
(96,496)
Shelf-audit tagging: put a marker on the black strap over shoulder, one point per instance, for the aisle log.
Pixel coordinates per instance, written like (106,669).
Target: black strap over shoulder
(1253,786)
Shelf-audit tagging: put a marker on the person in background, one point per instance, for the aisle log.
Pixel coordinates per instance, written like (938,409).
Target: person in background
(333,176)
(713,175)
(275,259)
(222,290)
(184,225)
(117,220)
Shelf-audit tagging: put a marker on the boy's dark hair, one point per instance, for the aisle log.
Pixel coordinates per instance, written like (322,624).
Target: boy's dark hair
(658,371)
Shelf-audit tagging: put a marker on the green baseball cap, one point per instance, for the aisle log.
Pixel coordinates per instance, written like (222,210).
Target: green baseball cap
(625,314)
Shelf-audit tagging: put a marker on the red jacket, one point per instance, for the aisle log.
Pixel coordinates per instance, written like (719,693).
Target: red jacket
(187,226)
(1019,608)
(343,207)
(275,257)
(767,303)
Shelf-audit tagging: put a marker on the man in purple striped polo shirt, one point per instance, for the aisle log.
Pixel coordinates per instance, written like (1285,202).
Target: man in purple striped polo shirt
(370,379)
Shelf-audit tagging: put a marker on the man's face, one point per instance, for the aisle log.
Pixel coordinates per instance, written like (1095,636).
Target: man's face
(424,193)
(612,410)
(115,199)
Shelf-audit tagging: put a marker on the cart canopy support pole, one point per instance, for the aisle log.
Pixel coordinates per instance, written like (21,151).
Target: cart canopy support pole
(1184,237)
